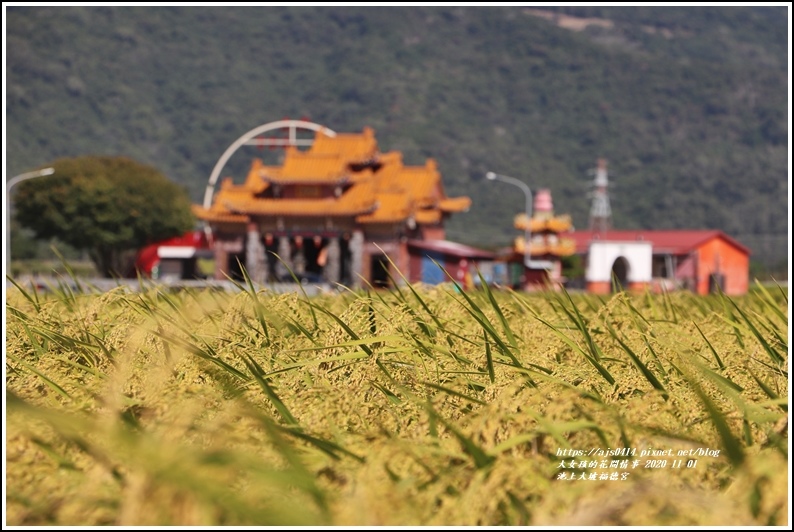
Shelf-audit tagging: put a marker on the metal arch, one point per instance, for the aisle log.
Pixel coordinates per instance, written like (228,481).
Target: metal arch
(293,126)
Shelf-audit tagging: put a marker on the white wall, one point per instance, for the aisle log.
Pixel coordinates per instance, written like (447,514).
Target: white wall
(602,255)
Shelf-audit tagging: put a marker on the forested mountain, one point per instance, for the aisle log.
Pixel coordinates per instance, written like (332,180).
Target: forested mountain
(688,104)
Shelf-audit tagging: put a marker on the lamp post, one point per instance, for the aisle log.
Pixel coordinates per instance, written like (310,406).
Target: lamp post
(11,182)
(528,262)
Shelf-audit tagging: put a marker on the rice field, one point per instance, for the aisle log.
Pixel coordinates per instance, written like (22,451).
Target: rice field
(415,406)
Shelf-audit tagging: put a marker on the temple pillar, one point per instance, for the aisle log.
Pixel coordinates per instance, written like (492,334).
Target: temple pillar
(299,257)
(356,258)
(333,268)
(285,256)
(255,255)
(271,249)
(221,262)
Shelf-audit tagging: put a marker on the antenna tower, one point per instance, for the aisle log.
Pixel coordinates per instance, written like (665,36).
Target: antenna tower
(600,211)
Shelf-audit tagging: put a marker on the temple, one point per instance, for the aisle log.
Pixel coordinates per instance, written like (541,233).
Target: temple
(338,212)
(547,245)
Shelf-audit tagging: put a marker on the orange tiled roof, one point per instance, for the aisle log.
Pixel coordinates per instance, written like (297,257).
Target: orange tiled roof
(308,168)
(561,248)
(421,183)
(391,207)
(427,216)
(327,161)
(555,224)
(357,200)
(388,194)
(459,204)
(230,190)
(255,182)
(352,147)
(211,215)
(418,182)
(300,207)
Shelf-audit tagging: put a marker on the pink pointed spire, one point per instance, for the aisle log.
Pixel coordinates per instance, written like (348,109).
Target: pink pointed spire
(543,204)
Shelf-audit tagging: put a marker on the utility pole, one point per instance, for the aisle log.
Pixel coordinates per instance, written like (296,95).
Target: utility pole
(11,182)
(600,211)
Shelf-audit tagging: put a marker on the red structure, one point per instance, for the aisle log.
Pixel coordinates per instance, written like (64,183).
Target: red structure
(175,258)
(703,261)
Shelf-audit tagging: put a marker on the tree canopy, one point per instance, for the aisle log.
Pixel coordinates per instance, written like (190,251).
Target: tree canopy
(108,206)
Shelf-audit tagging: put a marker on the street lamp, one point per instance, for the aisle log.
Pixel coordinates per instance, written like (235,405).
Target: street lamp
(11,182)
(528,262)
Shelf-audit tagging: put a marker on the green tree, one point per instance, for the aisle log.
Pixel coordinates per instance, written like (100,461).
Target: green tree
(108,206)
(572,267)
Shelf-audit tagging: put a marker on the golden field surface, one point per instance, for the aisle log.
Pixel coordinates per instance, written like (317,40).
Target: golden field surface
(415,406)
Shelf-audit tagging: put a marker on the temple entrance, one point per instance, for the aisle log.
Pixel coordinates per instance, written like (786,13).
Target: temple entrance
(716,283)
(236,266)
(379,269)
(310,258)
(620,274)
(316,254)
(345,266)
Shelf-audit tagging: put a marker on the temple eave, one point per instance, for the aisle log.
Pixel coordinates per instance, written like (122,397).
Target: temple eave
(211,215)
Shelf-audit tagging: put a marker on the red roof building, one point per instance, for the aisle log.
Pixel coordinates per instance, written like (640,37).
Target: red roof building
(175,258)
(703,261)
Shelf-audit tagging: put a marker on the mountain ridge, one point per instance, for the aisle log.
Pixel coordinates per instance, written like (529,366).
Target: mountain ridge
(687,104)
